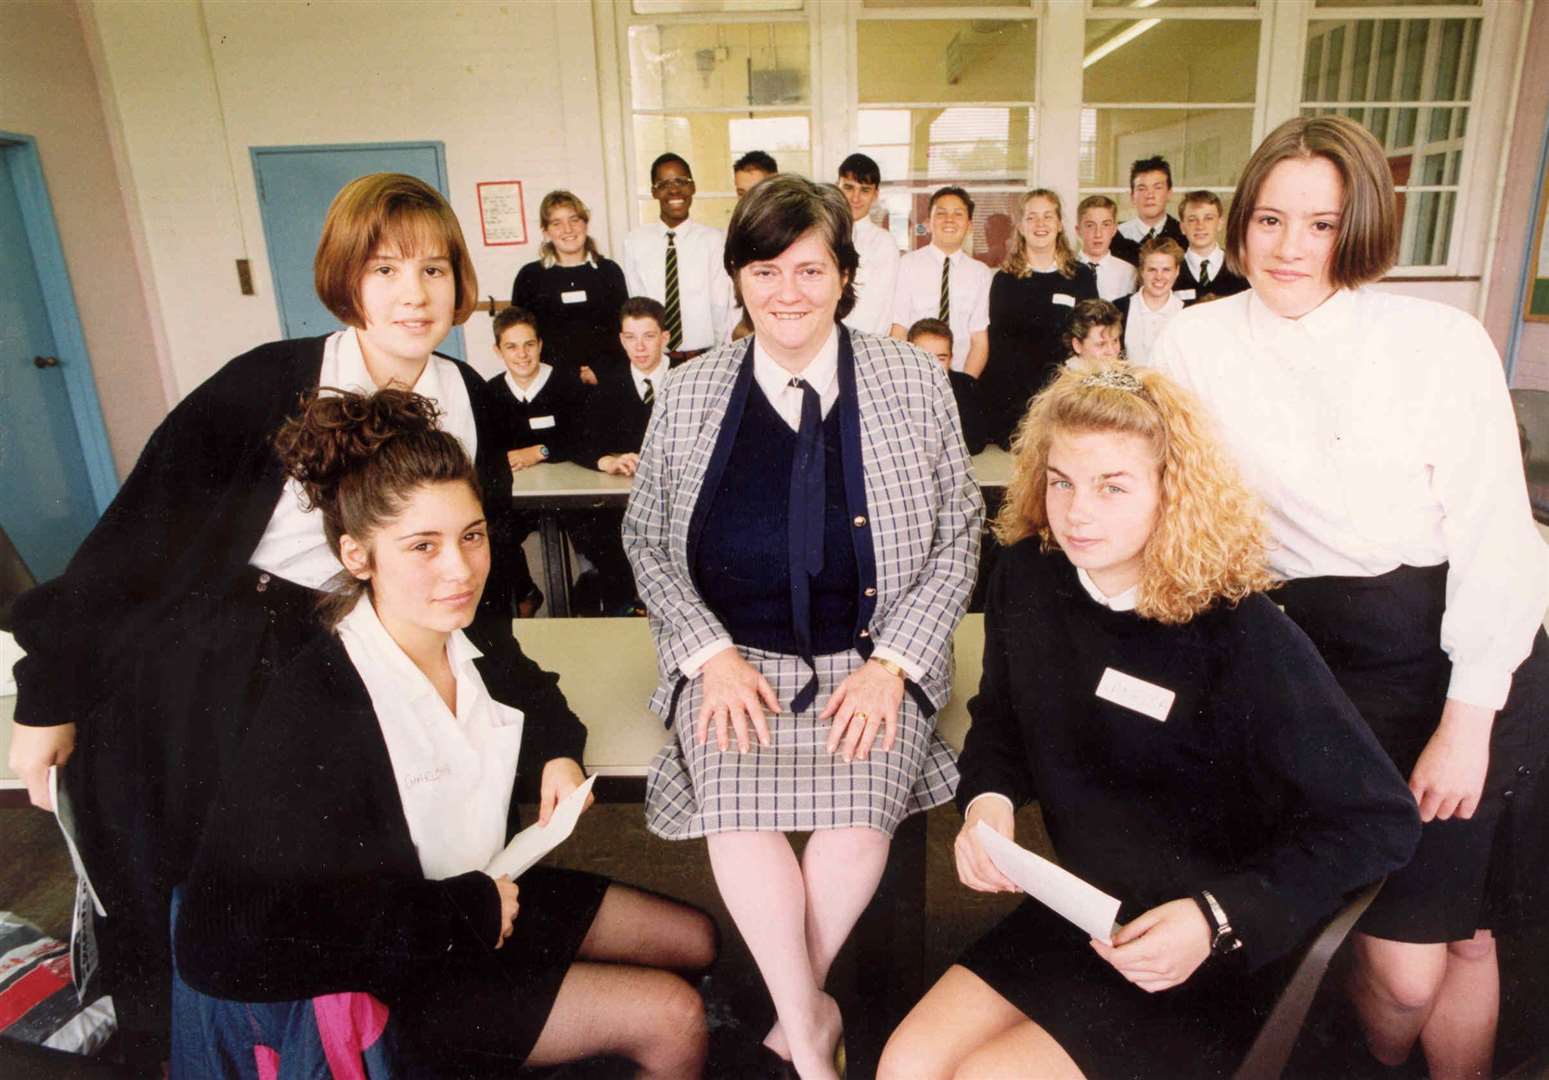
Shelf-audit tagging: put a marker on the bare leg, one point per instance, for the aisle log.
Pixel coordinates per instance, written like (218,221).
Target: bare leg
(635,927)
(1394,986)
(1459,1037)
(840,869)
(762,886)
(955,1018)
(651,1017)
(1025,1050)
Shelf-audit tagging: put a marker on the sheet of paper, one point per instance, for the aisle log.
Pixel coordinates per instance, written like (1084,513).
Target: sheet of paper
(1063,892)
(536,841)
(66,819)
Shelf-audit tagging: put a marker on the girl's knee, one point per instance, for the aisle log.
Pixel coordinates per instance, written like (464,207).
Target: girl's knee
(1477,949)
(679,1007)
(912,1053)
(1408,981)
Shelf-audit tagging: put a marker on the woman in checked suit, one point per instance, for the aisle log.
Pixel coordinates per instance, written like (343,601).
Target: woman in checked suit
(804,532)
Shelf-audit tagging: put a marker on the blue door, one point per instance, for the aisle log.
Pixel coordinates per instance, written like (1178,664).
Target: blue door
(46,502)
(296,184)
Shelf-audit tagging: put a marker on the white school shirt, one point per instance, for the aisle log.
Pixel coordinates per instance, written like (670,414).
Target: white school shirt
(656,375)
(875,279)
(1378,431)
(704,290)
(1142,326)
(293,545)
(1115,276)
(454,772)
(822,374)
(918,295)
(539,381)
(1124,601)
(1137,230)
(1216,257)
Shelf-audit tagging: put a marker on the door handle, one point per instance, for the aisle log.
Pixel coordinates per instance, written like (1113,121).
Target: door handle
(45,361)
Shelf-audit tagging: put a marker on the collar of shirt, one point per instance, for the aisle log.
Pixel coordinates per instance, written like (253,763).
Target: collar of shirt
(1217,259)
(387,659)
(538,383)
(1139,306)
(549,259)
(656,375)
(351,372)
(1125,601)
(1137,230)
(1330,321)
(821,373)
(659,228)
(938,256)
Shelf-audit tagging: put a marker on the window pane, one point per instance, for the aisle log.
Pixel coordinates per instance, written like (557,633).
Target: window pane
(1395,3)
(684,65)
(1176,3)
(945,3)
(710,142)
(1143,60)
(674,7)
(947,61)
(949,145)
(1205,147)
(907,208)
(1425,224)
(1414,60)
(1399,129)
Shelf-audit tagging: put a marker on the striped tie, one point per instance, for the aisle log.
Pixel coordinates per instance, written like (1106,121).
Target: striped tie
(649,397)
(946,291)
(1204,274)
(674,315)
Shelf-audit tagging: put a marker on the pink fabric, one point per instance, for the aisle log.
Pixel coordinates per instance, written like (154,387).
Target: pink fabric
(268,1061)
(348,1024)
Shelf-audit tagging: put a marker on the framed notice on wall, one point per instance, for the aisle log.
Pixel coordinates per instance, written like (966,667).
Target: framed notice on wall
(502,213)
(1537,309)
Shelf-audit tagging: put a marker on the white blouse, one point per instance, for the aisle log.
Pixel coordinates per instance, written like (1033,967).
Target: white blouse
(293,545)
(454,772)
(1142,325)
(1379,433)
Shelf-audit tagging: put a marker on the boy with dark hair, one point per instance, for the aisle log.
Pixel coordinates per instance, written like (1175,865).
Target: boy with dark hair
(935,337)
(750,168)
(1150,186)
(1203,273)
(860,180)
(1096,224)
(944,281)
(677,262)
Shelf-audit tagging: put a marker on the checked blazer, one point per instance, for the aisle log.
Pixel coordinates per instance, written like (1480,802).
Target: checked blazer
(922,509)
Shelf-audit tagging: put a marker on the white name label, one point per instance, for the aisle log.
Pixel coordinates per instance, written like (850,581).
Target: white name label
(541,422)
(574,296)
(1063,298)
(1148,699)
(1184,294)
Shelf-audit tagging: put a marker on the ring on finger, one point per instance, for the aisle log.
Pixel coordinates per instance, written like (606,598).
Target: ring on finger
(862,717)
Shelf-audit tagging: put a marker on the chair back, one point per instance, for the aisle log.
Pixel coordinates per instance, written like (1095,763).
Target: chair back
(1532,408)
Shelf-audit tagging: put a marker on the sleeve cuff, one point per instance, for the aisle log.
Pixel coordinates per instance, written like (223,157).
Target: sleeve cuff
(990,795)
(1479,685)
(913,670)
(696,659)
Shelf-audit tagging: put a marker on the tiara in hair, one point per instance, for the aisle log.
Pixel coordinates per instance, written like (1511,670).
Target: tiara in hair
(1114,378)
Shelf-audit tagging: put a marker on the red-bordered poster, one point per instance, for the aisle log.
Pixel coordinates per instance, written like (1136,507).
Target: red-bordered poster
(502,213)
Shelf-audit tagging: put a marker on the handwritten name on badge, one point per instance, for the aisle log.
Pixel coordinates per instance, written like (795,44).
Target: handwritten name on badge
(427,776)
(1148,699)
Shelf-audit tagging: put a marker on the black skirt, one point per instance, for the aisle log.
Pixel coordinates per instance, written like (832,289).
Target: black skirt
(1381,637)
(1111,1028)
(150,761)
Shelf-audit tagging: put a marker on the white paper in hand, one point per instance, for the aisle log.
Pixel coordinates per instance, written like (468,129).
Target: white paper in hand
(1063,892)
(536,841)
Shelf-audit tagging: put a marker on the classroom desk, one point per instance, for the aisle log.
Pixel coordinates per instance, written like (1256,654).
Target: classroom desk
(550,488)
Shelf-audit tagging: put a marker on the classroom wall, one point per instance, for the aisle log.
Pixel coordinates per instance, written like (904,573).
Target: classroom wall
(48,91)
(508,87)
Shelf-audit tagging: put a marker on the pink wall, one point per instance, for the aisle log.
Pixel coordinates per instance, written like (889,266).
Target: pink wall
(1517,216)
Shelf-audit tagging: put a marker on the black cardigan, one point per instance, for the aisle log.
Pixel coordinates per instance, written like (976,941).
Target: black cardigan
(562,400)
(186,522)
(1263,785)
(307,881)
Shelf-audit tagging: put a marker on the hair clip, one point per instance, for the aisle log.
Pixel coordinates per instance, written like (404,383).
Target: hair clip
(1114,378)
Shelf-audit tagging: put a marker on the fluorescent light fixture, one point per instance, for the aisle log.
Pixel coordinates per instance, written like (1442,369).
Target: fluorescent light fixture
(1118,41)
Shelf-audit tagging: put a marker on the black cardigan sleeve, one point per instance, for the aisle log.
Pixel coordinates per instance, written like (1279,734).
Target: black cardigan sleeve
(306,881)
(994,756)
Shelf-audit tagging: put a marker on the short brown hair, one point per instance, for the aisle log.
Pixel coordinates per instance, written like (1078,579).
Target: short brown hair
(781,210)
(1160,245)
(1367,245)
(515,316)
(1087,316)
(399,209)
(1203,198)
(1101,202)
(937,327)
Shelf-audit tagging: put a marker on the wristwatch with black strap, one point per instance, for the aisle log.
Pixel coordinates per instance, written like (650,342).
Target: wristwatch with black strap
(1223,939)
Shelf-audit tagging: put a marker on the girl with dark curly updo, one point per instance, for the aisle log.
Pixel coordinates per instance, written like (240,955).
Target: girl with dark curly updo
(348,852)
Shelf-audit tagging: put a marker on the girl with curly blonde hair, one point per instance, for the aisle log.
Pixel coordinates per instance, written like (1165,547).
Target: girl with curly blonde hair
(1190,751)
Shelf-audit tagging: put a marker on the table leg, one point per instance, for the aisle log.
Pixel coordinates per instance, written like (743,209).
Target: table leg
(556,571)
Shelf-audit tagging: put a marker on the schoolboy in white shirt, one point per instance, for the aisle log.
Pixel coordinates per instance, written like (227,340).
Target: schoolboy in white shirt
(1150,187)
(1203,272)
(877,276)
(941,280)
(1096,224)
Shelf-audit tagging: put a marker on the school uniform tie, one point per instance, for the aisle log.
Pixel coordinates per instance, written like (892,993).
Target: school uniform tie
(946,291)
(808,477)
(674,313)
(1204,274)
(649,397)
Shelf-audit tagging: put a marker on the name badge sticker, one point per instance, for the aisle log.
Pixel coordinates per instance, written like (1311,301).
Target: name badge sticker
(541,422)
(1184,294)
(574,296)
(1064,299)
(1148,699)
